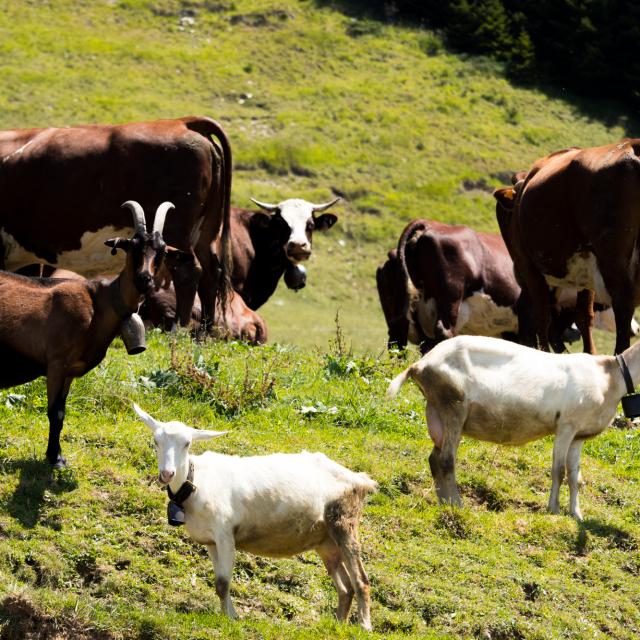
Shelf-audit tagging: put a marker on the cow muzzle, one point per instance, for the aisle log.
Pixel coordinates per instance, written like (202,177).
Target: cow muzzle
(298,252)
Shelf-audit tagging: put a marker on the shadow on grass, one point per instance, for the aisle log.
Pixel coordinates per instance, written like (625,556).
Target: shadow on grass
(36,477)
(618,538)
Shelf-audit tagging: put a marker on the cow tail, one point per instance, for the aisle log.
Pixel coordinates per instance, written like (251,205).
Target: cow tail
(414,227)
(209,127)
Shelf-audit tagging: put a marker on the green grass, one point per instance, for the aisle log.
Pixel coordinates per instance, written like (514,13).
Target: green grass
(89,550)
(386,117)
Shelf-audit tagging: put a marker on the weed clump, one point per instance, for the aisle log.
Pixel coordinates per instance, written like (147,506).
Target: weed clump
(455,522)
(202,381)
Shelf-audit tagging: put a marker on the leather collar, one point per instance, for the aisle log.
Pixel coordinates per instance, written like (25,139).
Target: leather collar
(185,490)
(624,370)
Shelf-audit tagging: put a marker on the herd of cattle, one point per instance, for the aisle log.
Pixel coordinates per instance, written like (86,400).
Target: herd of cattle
(568,248)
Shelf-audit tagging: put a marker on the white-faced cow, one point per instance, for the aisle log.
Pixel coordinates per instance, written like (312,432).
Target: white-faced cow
(574,221)
(61,190)
(269,244)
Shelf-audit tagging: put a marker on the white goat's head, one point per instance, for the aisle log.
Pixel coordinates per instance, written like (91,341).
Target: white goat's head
(173,440)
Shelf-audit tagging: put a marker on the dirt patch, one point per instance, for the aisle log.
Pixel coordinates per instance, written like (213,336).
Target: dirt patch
(481,494)
(22,621)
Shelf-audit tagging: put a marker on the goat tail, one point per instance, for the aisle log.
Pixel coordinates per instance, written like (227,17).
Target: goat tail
(398,381)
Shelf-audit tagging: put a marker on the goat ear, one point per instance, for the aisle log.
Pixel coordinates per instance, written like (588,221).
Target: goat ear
(118,243)
(145,417)
(203,434)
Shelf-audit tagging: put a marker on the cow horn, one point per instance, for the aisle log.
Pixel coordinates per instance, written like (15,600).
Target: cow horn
(265,205)
(326,205)
(161,214)
(139,222)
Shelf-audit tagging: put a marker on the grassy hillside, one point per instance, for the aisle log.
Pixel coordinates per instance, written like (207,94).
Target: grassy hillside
(315,104)
(89,554)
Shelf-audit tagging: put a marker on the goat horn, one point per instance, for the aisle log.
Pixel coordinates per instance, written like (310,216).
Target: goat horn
(139,222)
(326,205)
(264,205)
(161,214)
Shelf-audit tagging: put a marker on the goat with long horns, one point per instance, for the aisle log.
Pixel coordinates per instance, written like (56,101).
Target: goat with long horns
(62,328)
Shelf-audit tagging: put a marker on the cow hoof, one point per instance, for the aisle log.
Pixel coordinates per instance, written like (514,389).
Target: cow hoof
(60,462)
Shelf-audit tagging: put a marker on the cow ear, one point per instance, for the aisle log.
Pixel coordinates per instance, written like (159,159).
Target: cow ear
(177,256)
(118,243)
(261,220)
(505,196)
(325,221)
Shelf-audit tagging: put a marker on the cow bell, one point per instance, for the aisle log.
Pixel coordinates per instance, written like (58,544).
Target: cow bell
(631,405)
(295,277)
(132,334)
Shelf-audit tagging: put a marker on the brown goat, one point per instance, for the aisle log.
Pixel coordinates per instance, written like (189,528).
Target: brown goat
(62,328)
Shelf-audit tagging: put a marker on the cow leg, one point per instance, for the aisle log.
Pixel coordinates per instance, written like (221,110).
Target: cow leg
(526,328)
(57,390)
(185,272)
(584,318)
(447,318)
(208,290)
(623,309)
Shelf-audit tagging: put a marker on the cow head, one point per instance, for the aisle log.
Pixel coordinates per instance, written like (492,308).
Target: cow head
(145,251)
(297,221)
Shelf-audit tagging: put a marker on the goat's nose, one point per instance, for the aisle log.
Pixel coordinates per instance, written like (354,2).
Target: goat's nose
(166,476)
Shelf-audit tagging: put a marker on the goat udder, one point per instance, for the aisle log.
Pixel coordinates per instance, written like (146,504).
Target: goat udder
(434,425)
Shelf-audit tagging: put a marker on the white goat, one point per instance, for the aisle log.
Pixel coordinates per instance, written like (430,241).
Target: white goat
(275,505)
(502,392)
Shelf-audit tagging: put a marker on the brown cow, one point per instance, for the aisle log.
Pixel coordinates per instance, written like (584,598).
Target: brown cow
(445,280)
(412,313)
(61,190)
(237,322)
(574,222)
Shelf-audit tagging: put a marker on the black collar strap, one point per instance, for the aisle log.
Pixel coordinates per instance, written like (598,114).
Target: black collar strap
(624,370)
(185,490)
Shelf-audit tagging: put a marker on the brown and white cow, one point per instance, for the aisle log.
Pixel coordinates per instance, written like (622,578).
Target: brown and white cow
(446,280)
(269,244)
(236,322)
(61,191)
(575,222)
